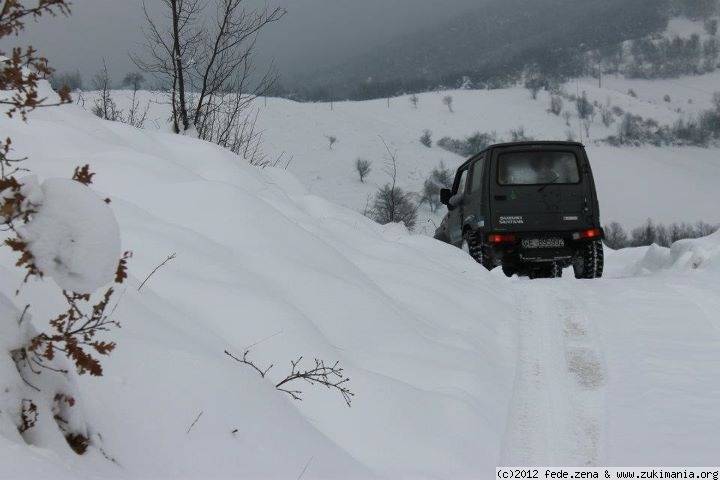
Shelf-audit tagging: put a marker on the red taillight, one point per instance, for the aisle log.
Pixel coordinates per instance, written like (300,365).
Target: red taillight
(501,238)
(587,234)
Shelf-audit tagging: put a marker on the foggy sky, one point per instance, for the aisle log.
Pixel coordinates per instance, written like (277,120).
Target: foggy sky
(313,33)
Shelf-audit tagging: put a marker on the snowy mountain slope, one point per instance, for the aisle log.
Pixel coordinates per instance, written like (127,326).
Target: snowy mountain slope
(261,261)
(634,183)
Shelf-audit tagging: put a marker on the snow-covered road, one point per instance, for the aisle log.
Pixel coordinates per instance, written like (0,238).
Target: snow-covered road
(618,371)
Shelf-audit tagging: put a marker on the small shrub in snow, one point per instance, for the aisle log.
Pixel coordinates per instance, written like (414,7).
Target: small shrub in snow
(414,100)
(567,116)
(70,80)
(534,84)
(477,142)
(332,140)
(584,108)
(606,114)
(453,145)
(426,138)
(393,205)
(448,102)
(363,167)
(667,98)
(518,135)
(587,125)
(321,374)
(632,93)
(440,177)
(105,107)
(473,144)
(556,105)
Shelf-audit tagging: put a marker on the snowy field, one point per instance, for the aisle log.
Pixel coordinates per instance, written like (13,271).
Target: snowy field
(634,184)
(455,370)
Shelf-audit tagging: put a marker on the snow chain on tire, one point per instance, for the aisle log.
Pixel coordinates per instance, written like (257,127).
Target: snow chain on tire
(591,262)
(475,250)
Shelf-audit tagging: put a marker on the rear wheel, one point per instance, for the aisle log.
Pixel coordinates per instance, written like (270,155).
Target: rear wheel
(473,247)
(509,270)
(590,261)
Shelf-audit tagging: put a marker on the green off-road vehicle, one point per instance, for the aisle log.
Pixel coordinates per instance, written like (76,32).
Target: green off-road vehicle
(528,207)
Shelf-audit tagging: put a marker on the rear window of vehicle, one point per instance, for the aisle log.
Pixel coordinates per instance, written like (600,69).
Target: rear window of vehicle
(538,168)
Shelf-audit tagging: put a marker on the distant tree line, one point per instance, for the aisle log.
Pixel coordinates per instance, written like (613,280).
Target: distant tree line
(616,237)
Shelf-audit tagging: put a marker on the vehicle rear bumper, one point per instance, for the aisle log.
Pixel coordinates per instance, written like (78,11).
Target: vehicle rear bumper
(515,253)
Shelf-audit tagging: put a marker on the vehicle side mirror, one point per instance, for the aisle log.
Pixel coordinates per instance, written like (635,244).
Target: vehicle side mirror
(445,195)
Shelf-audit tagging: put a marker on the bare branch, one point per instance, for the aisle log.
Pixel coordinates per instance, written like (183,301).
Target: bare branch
(168,259)
(332,377)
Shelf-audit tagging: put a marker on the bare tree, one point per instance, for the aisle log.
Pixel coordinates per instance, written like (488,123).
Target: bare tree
(105,107)
(229,49)
(166,48)
(133,80)
(392,204)
(448,102)
(209,68)
(363,168)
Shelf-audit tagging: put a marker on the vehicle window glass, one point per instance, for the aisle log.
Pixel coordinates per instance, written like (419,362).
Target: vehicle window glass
(460,187)
(477,177)
(538,168)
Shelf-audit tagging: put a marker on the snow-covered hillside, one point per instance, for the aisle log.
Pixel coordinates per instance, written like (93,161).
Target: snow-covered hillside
(634,183)
(455,370)
(260,261)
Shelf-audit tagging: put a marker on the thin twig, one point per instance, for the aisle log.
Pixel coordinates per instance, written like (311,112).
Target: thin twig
(279,332)
(247,362)
(193,423)
(305,469)
(170,257)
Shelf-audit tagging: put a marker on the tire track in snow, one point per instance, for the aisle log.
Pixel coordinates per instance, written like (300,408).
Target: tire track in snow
(556,412)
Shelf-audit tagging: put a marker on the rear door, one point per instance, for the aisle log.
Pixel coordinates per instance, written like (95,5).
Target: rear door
(538,188)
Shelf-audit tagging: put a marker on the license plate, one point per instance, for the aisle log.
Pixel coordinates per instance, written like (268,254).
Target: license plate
(543,243)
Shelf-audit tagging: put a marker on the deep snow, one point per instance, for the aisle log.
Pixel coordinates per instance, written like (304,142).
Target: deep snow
(261,260)
(456,370)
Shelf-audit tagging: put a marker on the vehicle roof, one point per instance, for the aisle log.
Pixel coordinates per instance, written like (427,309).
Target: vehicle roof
(529,143)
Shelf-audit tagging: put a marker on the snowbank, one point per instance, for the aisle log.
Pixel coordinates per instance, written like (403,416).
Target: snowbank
(73,237)
(685,255)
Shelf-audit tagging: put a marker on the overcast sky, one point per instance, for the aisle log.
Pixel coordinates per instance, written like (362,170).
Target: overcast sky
(313,32)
